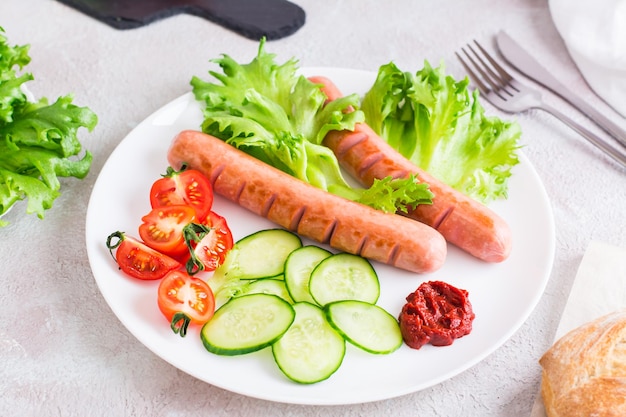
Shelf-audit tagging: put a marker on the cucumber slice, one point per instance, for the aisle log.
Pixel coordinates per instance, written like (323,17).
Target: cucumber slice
(298,269)
(311,350)
(344,276)
(270,286)
(365,325)
(246,324)
(262,254)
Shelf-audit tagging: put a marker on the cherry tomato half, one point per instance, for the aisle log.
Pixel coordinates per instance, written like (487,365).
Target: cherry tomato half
(214,246)
(162,229)
(184,299)
(211,242)
(186,187)
(138,260)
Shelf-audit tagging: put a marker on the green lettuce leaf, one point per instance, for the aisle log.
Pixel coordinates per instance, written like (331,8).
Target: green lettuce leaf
(11,94)
(38,141)
(270,112)
(435,122)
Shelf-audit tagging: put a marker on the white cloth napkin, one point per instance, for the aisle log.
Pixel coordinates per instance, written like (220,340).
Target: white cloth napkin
(599,288)
(595,35)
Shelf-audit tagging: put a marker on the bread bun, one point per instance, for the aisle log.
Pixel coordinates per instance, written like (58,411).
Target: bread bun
(584,372)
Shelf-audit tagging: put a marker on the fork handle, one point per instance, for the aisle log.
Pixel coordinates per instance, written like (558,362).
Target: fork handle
(614,153)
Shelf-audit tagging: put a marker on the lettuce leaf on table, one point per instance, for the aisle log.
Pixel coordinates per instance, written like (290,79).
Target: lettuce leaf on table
(435,122)
(270,112)
(38,140)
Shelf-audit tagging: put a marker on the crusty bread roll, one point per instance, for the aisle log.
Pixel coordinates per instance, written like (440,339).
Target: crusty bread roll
(584,372)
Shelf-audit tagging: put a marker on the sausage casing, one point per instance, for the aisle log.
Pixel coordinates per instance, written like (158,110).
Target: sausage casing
(311,212)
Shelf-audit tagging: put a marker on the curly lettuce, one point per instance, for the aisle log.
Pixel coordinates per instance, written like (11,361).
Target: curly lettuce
(436,123)
(38,140)
(270,112)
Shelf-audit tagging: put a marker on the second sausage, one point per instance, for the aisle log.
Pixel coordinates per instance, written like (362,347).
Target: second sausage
(463,221)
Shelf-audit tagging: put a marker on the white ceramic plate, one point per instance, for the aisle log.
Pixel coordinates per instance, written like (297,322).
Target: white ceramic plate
(503,295)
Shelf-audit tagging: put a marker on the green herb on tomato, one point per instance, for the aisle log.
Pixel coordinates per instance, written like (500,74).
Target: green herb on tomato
(436,123)
(38,140)
(208,243)
(270,112)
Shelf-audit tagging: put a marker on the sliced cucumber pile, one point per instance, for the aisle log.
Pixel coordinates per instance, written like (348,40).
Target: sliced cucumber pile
(303,301)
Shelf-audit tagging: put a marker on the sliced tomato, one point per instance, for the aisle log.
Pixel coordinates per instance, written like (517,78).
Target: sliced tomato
(214,246)
(211,241)
(162,229)
(186,187)
(138,260)
(184,299)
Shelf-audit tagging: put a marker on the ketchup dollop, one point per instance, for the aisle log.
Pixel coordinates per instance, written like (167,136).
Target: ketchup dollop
(436,313)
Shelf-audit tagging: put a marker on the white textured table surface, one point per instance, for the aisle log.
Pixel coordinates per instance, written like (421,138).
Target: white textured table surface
(62,350)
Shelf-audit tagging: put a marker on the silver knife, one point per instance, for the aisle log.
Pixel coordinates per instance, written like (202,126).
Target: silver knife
(529,66)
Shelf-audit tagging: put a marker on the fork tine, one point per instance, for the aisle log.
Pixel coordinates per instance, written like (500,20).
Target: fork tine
(482,87)
(495,84)
(488,81)
(492,78)
(501,71)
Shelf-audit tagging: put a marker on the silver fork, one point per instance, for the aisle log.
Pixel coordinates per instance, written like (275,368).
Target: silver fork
(509,95)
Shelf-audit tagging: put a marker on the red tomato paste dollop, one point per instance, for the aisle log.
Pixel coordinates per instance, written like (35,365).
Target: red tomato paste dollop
(436,313)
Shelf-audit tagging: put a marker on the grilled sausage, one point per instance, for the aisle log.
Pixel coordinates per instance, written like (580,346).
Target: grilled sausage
(309,211)
(463,221)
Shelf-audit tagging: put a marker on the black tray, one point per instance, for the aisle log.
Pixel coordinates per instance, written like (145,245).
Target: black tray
(254,19)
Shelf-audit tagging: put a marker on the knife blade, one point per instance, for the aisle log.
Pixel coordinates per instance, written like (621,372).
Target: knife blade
(519,58)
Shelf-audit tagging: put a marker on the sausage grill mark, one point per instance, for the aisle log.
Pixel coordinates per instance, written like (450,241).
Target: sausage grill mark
(369,162)
(330,232)
(361,245)
(353,141)
(297,218)
(393,255)
(349,143)
(444,216)
(268,205)
(215,174)
(240,191)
